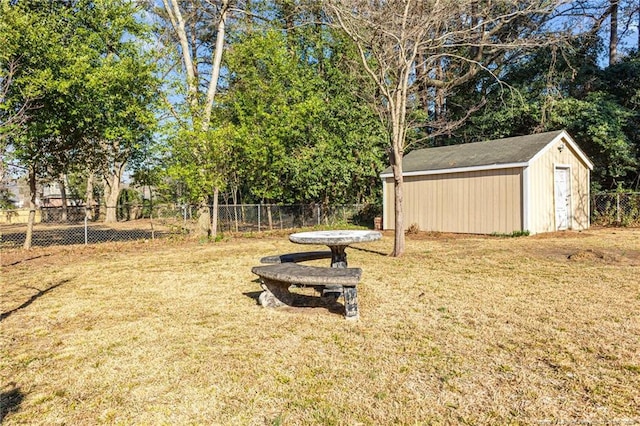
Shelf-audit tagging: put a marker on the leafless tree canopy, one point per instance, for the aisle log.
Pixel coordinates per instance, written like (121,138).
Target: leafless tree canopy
(418,51)
(435,46)
(194,31)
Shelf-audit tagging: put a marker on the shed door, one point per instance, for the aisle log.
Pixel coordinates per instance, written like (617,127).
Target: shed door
(562,198)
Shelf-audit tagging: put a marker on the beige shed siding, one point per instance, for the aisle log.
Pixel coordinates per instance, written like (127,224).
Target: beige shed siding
(479,202)
(541,183)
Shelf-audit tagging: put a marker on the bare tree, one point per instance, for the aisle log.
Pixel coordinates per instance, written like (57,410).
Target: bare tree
(185,17)
(437,45)
(196,30)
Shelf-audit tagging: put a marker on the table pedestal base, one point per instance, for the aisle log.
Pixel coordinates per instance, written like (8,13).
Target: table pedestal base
(338,256)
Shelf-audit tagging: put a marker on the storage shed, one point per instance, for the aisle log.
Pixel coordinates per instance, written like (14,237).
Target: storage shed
(536,183)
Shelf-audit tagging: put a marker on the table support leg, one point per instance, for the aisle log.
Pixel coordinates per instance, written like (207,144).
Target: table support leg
(275,294)
(350,303)
(338,260)
(332,291)
(338,256)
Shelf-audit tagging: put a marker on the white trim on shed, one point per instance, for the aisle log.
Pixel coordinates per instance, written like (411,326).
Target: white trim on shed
(459,170)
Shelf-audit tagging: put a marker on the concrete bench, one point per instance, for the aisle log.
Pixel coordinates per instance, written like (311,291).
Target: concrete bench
(277,278)
(297,257)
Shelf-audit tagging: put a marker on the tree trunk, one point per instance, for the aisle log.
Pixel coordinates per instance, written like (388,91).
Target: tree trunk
(398,113)
(208,221)
(204,221)
(214,213)
(248,16)
(613,39)
(215,67)
(112,189)
(421,79)
(269,216)
(234,198)
(89,200)
(32,210)
(440,94)
(177,21)
(399,240)
(63,197)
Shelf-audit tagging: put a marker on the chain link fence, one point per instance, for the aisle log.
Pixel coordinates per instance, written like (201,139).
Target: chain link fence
(77,225)
(616,209)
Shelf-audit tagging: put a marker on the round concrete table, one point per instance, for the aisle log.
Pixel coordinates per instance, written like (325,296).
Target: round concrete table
(337,241)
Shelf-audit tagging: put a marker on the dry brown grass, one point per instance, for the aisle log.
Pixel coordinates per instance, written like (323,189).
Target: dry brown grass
(461,330)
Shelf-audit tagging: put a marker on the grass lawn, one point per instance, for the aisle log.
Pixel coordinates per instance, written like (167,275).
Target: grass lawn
(461,330)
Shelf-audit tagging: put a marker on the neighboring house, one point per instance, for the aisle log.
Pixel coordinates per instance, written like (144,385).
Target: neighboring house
(51,195)
(12,192)
(536,183)
(16,192)
(17,189)
(48,195)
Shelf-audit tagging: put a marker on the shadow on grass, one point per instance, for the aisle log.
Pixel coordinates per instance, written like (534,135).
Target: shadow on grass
(10,401)
(303,301)
(32,299)
(17,262)
(369,251)
(255,295)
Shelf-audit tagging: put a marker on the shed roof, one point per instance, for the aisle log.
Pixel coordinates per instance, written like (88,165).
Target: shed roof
(513,152)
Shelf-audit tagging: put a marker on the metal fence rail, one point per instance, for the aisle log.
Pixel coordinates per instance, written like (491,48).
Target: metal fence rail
(57,226)
(619,208)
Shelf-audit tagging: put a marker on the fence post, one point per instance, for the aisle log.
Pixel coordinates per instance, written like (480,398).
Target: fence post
(318,215)
(618,208)
(259,205)
(86,232)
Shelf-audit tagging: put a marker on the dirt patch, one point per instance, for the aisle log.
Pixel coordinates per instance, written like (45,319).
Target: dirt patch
(438,236)
(592,255)
(563,235)
(431,235)
(578,254)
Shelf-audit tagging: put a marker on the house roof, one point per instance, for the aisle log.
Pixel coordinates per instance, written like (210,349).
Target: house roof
(500,153)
